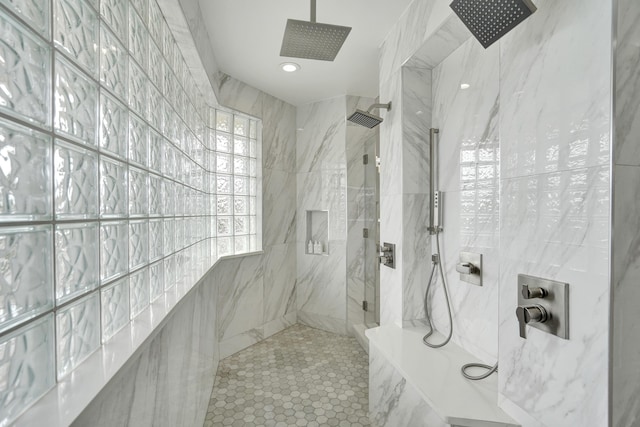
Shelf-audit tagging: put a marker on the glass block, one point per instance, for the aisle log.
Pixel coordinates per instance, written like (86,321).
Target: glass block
(253,167)
(156,143)
(223,121)
(138,40)
(77,332)
(240,185)
(167,42)
(179,234)
(155,107)
(28,366)
(138,244)
(155,196)
(142,7)
(223,142)
(241,225)
(156,281)
(168,198)
(139,292)
(138,90)
(241,205)
(138,192)
(241,244)
(169,160)
(113,126)
(75,32)
(169,272)
(213,220)
(114,245)
(138,140)
(223,205)
(179,199)
(155,239)
(76,181)
(25,173)
(36,13)
(223,184)
(169,236)
(26,257)
(114,13)
(241,166)
(253,243)
(253,225)
(224,246)
(114,302)
(253,186)
(253,148)
(156,72)
(114,62)
(224,226)
(113,188)
(240,146)
(253,129)
(223,163)
(77,260)
(241,126)
(155,22)
(253,206)
(76,102)
(25,73)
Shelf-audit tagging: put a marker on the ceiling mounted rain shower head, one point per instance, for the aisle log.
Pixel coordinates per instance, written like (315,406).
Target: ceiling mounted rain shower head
(489,20)
(313,40)
(366,119)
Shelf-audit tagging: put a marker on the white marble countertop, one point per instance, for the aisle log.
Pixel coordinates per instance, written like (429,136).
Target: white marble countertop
(435,373)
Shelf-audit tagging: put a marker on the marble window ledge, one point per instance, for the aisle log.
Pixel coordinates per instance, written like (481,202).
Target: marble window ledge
(71,395)
(435,374)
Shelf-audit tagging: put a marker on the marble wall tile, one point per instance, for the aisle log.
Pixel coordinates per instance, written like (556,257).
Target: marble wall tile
(278,134)
(243,97)
(279,281)
(391,137)
(448,37)
(391,279)
(280,324)
(279,207)
(241,341)
(325,323)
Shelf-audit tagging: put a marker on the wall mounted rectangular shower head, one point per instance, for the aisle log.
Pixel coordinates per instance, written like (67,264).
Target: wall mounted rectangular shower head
(366,119)
(313,40)
(489,20)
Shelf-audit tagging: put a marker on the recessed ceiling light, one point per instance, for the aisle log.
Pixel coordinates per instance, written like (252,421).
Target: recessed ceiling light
(464,86)
(289,67)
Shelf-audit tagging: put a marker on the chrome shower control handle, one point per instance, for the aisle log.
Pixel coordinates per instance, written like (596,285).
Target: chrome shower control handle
(466,268)
(530,314)
(530,293)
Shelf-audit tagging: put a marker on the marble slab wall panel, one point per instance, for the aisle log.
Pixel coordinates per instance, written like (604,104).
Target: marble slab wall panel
(279,282)
(393,401)
(625,274)
(554,202)
(278,134)
(243,97)
(468,144)
(168,381)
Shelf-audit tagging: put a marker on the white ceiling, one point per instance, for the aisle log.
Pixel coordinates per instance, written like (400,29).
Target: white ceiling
(247,35)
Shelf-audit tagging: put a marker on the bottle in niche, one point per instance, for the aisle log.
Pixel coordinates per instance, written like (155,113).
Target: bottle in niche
(310,247)
(317,248)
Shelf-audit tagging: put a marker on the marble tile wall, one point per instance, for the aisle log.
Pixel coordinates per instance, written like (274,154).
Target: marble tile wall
(625,274)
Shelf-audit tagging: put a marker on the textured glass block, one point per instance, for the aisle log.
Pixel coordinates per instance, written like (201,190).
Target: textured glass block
(77,260)
(114,303)
(75,32)
(179,233)
(155,239)
(253,243)
(224,246)
(138,140)
(36,13)
(25,173)
(138,192)
(240,185)
(156,281)
(138,39)
(224,226)
(224,121)
(223,163)
(114,61)
(241,146)
(114,13)
(113,188)
(241,205)
(223,184)
(25,73)
(138,244)
(253,148)
(156,143)
(253,206)
(155,22)
(241,225)
(155,196)
(142,7)
(76,182)
(77,332)
(113,126)
(169,236)
(223,206)
(114,245)
(223,142)
(28,367)
(76,101)
(241,244)
(155,107)
(253,167)
(241,126)
(241,166)
(168,198)
(26,260)
(139,292)
(253,225)
(138,90)
(253,129)
(253,187)
(168,159)
(169,272)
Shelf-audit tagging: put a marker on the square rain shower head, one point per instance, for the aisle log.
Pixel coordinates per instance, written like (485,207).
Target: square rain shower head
(489,20)
(365,119)
(313,40)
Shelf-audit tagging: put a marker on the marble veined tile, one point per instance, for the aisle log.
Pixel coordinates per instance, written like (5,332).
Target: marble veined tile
(279,207)
(240,96)
(278,134)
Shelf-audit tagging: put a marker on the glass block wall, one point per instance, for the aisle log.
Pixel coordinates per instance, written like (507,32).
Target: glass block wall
(118,183)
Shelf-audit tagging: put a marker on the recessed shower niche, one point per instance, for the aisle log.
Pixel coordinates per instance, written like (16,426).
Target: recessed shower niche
(317,240)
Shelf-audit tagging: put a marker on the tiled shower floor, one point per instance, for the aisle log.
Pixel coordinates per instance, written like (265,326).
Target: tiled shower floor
(299,377)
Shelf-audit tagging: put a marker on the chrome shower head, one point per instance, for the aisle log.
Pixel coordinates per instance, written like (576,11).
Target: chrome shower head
(313,40)
(489,20)
(366,119)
